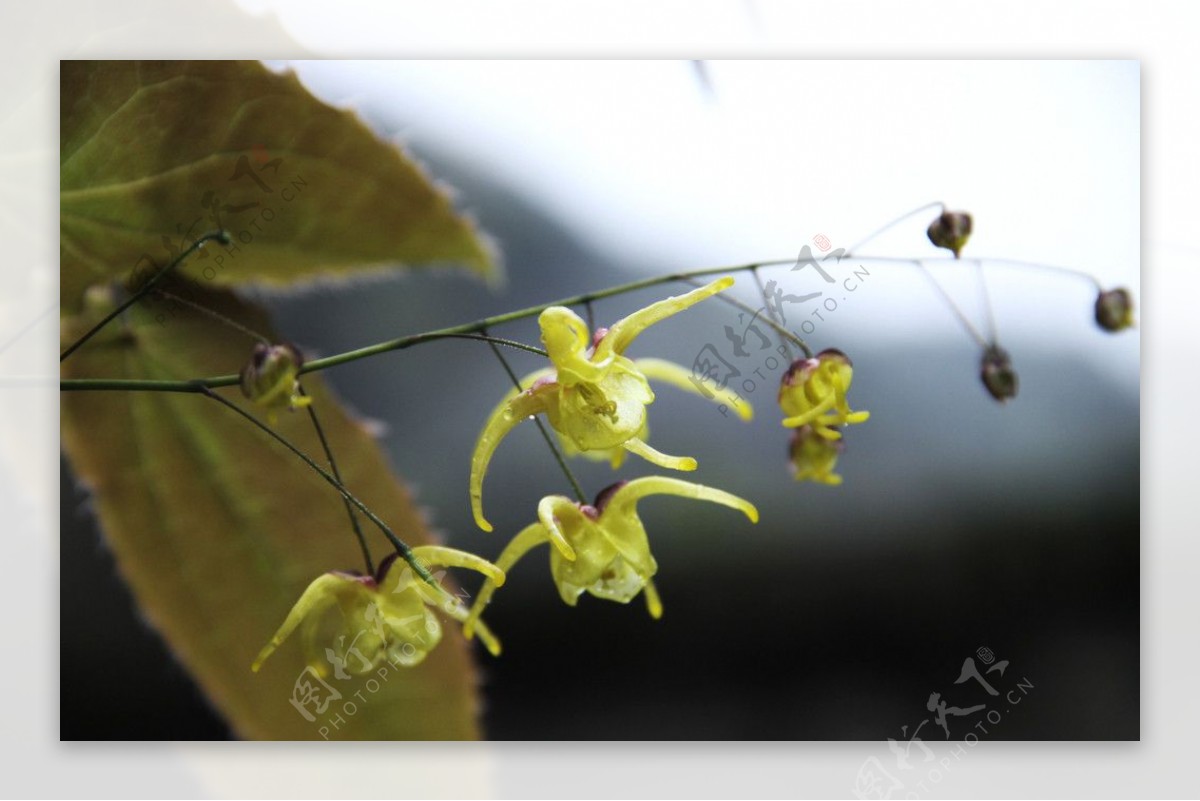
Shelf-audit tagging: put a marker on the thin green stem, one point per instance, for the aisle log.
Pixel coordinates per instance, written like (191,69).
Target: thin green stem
(358,532)
(494,341)
(771,311)
(562,460)
(221,236)
(779,329)
(532,311)
(220,318)
(456,331)
(1030,265)
(989,314)
(962,318)
(591,315)
(402,549)
(852,251)
(521,314)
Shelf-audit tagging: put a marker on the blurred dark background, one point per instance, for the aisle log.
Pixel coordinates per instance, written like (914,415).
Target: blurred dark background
(961,525)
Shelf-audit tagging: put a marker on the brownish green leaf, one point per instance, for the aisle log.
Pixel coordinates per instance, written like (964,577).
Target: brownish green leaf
(217,529)
(154,154)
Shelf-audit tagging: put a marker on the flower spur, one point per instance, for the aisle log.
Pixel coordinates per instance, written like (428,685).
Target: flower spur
(592,394)
(385,616)
(813,393)
(601,549)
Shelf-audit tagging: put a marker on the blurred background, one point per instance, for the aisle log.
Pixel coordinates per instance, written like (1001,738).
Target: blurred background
(962,524)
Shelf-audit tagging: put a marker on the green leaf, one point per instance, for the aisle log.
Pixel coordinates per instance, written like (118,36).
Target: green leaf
(154,154)
(218,529)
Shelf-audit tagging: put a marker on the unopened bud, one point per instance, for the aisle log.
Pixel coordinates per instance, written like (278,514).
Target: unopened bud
(1114,310)
(951,231)
(269,378)
(998,374)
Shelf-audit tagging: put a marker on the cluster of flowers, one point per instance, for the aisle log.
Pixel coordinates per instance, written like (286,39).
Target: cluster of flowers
(595,398)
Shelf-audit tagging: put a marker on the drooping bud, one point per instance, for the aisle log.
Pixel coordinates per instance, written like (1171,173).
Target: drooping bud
(269,378)
(1114,309)
(951,231)
(812,393)
(998,374)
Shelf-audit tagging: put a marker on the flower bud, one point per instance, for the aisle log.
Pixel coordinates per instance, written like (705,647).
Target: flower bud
(813,391)
(269,378)
(998,374)
(1114,309)
(951,231)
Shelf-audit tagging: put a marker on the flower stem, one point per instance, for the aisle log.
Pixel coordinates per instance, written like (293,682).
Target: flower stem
(771,312)
(472,330)
(215,315)
(962,318)
(221,236)
(402,549)
(333,468)
(779,329)
(852,251)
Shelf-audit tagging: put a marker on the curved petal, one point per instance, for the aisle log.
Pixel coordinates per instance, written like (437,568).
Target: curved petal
(504,419)
(549,509)
(322,593)
(679,376)
(621,335)
(530,537)
(567,339)
(640,448)
(490,641)
(438,555)
(823,430)
(810,415)
(625,499)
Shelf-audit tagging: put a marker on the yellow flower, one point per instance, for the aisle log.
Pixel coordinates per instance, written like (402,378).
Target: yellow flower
(813,393)
(593,396)
(269,379)
(813,458)
(601,549)
(383,617)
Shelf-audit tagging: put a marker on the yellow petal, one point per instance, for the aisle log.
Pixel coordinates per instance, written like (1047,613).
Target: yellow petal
(529,537)
(624,331)
(567,340)
(490,641)
(625,499)
(640,448)
(549,508)
(504,419)
(320,595)
(438,555)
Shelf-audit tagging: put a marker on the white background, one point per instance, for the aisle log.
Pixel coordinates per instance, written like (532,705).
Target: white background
(1159,35)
